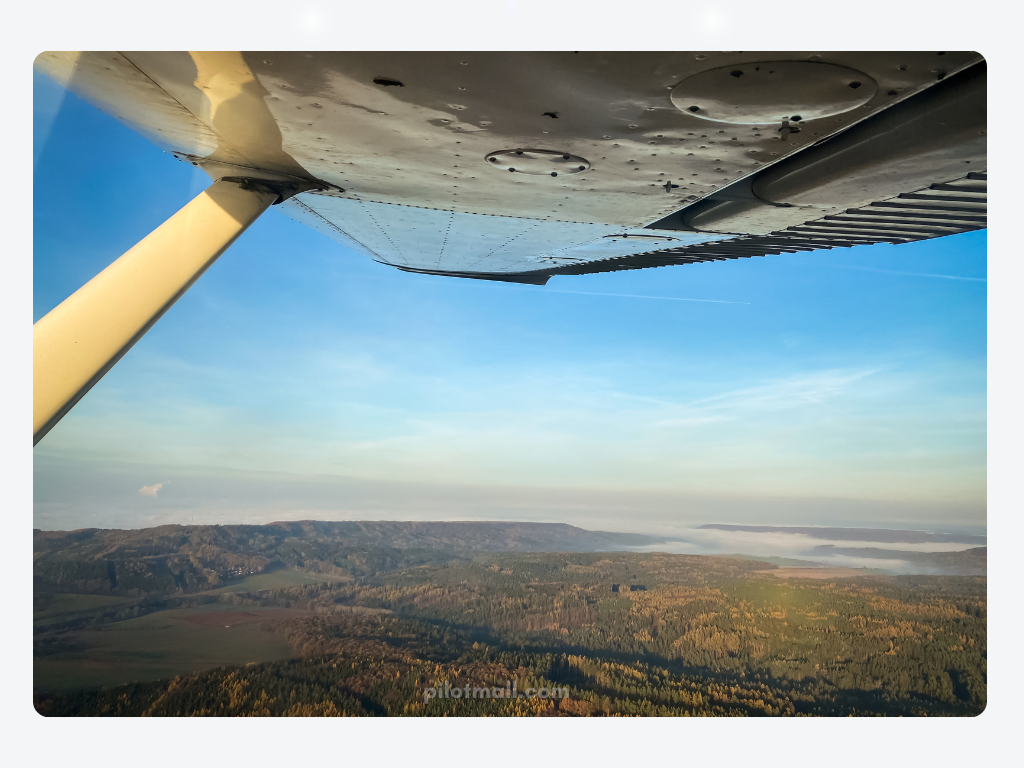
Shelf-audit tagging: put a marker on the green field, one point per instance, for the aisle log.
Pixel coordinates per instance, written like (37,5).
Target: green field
(162,645)
(62,607)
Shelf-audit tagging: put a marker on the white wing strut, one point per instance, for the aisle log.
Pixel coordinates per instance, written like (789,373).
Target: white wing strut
(83,337)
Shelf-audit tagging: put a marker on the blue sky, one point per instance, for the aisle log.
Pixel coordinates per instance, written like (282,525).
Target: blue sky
(297,379)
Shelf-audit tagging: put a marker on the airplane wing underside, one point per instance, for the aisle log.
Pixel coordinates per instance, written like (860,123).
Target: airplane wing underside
(468,244)
(520,166)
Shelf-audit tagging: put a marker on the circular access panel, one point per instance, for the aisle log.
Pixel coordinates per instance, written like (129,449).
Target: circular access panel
(773,91)
(537,162)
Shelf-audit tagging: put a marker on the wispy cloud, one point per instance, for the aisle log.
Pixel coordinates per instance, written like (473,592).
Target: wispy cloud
(150,490)
(758,402)
(814,388)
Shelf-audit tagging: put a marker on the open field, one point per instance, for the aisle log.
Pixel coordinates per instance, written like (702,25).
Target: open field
(276,579)
(780,561)
(819,573)
(55,607)
(162,645)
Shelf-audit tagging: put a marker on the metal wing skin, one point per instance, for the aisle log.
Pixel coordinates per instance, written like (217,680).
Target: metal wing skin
(521,166)
(626,160)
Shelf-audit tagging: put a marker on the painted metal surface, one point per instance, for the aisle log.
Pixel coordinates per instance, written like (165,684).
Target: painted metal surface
(403,139)
(933,137)
(774,92)
(938,210)
(426,239)
(108,81)
(82,338)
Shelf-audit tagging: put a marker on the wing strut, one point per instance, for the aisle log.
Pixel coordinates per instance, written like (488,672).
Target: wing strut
(84,336)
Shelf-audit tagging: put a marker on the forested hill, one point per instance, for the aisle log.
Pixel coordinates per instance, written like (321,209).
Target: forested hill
(454,536)
(704,636)
(180,558)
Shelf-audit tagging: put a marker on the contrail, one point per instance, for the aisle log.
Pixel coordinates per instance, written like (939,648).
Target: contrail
(910,274)
(639,296)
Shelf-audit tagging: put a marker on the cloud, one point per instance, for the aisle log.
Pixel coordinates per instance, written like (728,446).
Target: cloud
(150,490)
(789,392)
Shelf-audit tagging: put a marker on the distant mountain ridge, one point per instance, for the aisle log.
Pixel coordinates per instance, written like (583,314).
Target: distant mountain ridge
(469,535)
(479,536)
(966,562)
(183,559)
